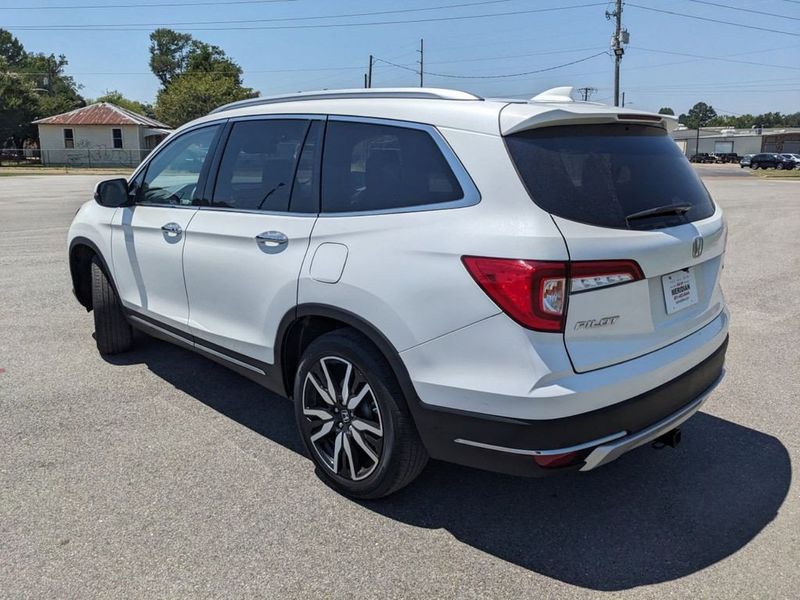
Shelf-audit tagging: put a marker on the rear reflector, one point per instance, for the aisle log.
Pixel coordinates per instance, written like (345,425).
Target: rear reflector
(534,293)
(553,461)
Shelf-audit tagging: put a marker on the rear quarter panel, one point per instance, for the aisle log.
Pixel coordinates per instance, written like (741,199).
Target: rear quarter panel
(403,271)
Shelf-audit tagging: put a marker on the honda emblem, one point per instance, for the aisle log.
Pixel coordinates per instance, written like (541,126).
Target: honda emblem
(697,247)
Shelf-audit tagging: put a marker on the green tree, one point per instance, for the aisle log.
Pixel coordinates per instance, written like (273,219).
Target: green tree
(196,77)
(205,58)
(18,105)
(700,115)
(11,50)
(169,54)
(34,86)
(666,110)
(116,97)
(194,94)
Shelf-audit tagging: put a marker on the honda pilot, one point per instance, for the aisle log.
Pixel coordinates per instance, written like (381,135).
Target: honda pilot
(528,287)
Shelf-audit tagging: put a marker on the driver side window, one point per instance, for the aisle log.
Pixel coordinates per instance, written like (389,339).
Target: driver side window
(173,174)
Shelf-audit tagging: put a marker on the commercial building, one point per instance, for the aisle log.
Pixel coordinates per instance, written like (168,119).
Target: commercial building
(718,140)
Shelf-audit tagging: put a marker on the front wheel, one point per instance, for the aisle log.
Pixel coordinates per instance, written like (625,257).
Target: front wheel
(353,418)
(779,167)
(112,331)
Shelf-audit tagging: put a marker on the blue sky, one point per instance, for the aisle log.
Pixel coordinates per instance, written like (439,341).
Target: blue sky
(666,64)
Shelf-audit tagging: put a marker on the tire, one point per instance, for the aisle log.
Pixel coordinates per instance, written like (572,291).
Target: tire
(754,167)
(366,447)
(779,166)
(112,332)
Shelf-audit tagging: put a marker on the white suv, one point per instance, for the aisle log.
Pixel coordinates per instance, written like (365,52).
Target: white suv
(526,287)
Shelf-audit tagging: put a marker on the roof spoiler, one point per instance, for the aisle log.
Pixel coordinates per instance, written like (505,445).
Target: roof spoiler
(556,107)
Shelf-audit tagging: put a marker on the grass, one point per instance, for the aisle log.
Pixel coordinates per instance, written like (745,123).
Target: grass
(776,174)
(36,170)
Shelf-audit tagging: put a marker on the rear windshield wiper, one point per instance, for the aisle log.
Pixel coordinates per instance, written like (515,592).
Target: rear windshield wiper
(660,211)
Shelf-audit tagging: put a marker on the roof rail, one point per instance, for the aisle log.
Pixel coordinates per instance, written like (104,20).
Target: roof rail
(411,93)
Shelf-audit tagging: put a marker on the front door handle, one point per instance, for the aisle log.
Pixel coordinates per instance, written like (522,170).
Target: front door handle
(172,229)
(272,238)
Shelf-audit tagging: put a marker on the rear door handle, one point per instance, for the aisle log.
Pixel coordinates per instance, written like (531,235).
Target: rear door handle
(172,229)
(272,238)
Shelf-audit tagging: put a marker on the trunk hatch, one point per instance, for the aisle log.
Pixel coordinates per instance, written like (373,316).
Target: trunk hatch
(624,191)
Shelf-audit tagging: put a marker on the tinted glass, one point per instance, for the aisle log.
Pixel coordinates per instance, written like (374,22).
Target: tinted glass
(173,174)
(380,167)
(603,174)
(258,164)
(305,191)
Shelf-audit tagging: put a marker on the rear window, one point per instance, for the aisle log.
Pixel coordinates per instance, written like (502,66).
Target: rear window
(609,175)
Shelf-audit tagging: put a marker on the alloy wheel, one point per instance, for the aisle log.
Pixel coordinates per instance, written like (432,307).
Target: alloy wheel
(342,420)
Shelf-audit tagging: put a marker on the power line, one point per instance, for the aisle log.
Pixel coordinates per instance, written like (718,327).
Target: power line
(747,10)
(730,60)
(388,64)
(276,20)
(323,25)
(159,5)
(710,20)
(504,76)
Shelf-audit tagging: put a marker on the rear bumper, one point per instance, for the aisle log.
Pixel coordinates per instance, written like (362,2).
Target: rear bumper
(509,445)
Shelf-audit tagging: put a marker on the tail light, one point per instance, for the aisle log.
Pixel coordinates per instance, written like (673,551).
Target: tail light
(534,293)
(595,274)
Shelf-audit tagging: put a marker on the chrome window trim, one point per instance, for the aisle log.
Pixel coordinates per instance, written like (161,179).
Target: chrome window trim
(274,116)
(471,195)
(253,211)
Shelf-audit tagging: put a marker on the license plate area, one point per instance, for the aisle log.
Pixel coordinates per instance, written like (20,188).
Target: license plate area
(680,290)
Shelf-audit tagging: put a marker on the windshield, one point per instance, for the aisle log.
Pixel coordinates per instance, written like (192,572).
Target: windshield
(604,174)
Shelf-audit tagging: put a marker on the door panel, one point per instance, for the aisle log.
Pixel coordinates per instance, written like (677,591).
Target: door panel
(148,237)
(243,253)
(238,286)
(148,261)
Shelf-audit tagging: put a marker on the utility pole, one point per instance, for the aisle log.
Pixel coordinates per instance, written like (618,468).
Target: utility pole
(369,72)
(421,62)
(623,99)
(365,80)
(586,93)
(620,38)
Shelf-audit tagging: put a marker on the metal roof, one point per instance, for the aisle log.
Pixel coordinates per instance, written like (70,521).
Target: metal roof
(101,113)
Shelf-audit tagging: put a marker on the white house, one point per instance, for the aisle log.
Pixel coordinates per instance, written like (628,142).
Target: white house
(100,134)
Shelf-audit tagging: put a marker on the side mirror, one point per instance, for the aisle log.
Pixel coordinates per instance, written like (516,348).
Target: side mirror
(112,193)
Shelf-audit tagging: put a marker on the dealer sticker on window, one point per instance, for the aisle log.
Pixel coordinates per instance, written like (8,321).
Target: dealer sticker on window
(680,290)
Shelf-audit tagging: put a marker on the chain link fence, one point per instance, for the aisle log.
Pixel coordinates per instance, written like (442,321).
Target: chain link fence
(73,157)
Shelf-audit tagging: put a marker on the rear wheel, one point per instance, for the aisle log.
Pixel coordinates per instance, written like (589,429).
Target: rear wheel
(112,332)
(353,418)
(779,166)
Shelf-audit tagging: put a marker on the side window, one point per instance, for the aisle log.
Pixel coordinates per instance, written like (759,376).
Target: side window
(173,174)
(381,167)
(258,165)
(305,190)
(116,137)
(69,138)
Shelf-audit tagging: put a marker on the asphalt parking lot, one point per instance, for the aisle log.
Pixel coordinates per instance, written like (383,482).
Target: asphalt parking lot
(160,474)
